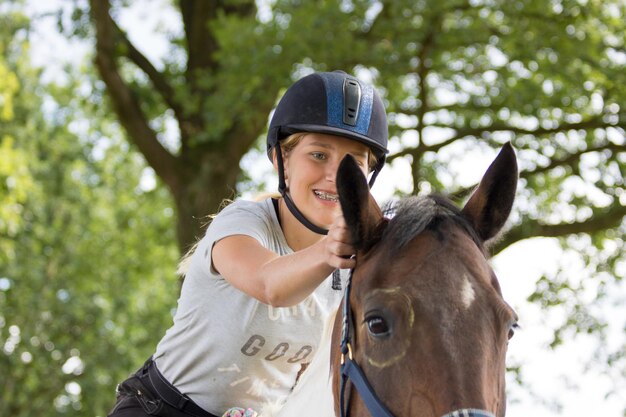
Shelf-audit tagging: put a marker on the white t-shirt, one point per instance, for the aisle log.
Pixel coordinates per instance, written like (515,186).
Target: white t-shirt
(227,349)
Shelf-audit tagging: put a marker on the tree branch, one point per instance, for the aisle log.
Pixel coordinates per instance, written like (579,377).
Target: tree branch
(593,123)
(201,44)
(422,148)
(571,158)
(158,80)
(125,103)
(608,218)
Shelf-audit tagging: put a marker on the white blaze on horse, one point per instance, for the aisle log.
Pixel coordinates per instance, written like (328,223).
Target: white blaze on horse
(426,328)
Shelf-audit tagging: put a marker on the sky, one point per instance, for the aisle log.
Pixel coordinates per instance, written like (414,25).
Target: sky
(560,383)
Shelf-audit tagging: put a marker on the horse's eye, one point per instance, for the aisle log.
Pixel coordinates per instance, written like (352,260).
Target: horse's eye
(512,329)
(377,326)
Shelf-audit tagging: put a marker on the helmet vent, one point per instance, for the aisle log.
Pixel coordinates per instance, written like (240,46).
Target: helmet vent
(351,100)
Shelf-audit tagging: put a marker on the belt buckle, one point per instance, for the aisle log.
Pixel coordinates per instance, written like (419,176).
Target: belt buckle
(150,406)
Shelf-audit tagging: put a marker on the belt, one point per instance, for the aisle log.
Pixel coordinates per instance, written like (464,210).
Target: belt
(150,375)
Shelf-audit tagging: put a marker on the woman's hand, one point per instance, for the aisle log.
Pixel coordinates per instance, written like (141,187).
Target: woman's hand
(338,245)
(282,281)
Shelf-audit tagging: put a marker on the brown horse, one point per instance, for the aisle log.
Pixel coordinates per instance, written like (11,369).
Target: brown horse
(426,322)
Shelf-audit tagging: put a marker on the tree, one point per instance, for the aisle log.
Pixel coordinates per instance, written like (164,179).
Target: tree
(205,94)
(82,301)
(15,179)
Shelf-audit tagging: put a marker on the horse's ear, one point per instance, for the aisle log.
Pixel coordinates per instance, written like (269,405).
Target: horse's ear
(490,205)
(360,210)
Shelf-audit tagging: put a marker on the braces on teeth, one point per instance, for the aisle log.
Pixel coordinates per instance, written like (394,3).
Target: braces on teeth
(326,196)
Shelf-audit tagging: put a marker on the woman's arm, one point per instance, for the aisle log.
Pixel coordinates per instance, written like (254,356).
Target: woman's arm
(281,281)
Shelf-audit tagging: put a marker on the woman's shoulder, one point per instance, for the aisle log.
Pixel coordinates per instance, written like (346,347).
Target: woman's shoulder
(244,217)
(258,208)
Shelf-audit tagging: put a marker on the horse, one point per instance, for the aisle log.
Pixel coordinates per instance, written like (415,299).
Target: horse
(423,330)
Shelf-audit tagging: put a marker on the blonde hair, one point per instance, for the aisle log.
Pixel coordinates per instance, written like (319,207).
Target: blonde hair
(185,261)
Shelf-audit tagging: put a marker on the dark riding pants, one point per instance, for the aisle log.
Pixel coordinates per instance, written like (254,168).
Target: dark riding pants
(147,393)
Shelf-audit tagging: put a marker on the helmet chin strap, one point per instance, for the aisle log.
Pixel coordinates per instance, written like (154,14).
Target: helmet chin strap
(298,215)
(282,189)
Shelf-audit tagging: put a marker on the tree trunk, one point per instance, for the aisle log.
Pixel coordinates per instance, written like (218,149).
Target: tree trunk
(204,186)
(205,170)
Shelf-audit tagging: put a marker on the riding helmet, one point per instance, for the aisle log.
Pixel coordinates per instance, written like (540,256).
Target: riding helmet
(333,103)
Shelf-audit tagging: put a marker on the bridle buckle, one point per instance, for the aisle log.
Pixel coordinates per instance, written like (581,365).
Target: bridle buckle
(349,348)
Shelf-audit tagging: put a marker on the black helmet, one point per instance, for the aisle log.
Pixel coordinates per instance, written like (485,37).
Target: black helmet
(333,103)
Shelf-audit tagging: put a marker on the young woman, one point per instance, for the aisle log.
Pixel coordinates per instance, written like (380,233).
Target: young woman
(262,281)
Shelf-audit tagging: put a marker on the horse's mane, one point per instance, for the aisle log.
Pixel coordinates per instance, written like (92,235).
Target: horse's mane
(411,216)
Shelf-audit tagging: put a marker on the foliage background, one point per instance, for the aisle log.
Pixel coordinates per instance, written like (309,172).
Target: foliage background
(90,224)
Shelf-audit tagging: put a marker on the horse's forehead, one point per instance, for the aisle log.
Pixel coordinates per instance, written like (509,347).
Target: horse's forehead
(453,268)
(456,256)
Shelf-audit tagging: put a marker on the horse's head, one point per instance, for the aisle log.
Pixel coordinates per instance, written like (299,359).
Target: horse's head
(429,326)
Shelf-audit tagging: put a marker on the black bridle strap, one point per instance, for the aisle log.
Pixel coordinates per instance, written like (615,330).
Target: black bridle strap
(347,317)
(351,371)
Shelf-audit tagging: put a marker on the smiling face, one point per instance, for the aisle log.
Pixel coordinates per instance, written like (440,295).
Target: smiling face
(311,169)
